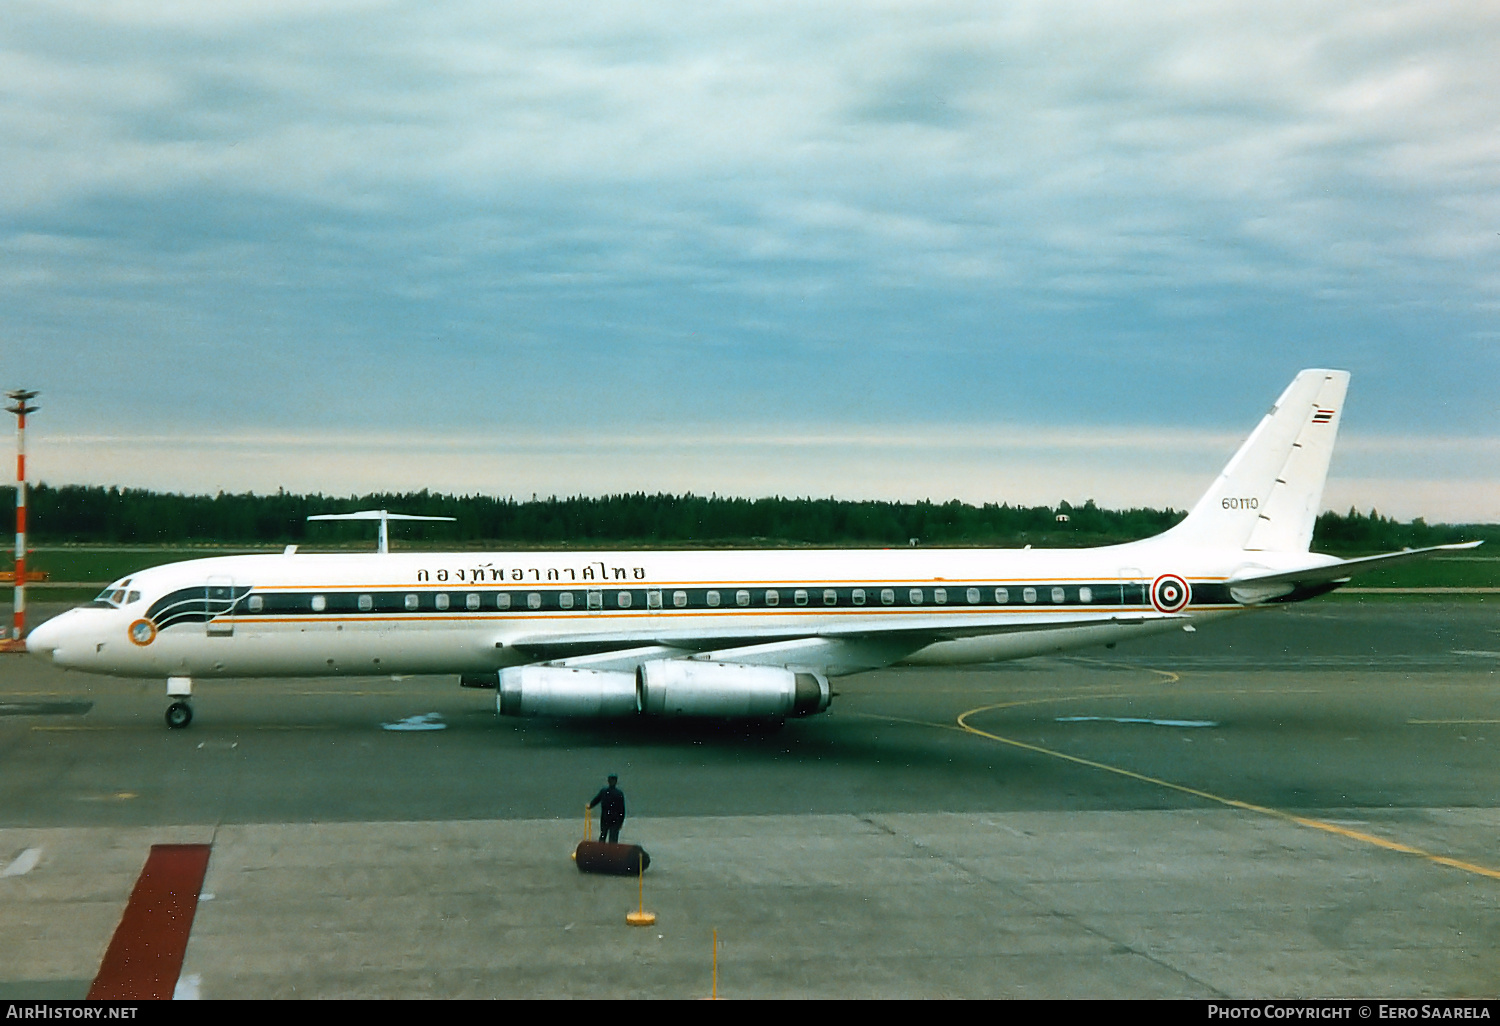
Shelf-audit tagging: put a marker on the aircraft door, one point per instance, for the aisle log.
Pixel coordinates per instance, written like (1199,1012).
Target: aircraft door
(218,600)
(1132,586)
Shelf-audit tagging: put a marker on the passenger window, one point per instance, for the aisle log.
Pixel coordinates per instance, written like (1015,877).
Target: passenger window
(679,599)
(596,600)
(773,598)
(1002,595)
(940,595)
(256,603)
(366,603)
(1029,594)
(534,600)
(916,596)
(441,601)
(830,597)
(742,598)
(713,598)
(653,599)
(1058,595)
(502,600)
(1085,594)
(471,601)
(412,602)
(887,595)
(857,596)
(972,595)
(623,598)
(319,603)
(800,597)
(565,600)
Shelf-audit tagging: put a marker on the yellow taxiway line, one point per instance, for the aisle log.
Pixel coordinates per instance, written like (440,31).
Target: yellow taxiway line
(963,726)
(1234,803)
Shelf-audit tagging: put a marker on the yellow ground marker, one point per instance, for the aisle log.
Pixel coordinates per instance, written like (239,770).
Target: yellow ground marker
(639,916)
(588,829)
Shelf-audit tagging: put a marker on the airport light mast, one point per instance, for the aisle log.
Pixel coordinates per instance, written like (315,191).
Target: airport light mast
(20,406)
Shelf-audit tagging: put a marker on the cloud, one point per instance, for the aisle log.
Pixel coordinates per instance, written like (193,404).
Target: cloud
(363,216)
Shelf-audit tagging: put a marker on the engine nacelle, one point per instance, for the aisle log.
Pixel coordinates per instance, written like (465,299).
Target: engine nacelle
(559,691)
(684,687)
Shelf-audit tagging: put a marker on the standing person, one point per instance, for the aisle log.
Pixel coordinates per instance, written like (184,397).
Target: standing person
(611,802)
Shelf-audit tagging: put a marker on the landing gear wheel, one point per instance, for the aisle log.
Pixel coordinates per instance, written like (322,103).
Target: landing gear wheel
(179,714)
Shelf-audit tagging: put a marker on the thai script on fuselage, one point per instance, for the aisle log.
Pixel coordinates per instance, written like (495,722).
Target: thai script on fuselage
(485,572)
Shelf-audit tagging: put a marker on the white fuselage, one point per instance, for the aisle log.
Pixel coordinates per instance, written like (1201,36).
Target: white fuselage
(476,613)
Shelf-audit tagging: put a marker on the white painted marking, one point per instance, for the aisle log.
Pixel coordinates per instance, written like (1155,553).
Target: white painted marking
(1476,652)
(426,721)
(187,988)
(1136,719)
(23,863)
(207,896)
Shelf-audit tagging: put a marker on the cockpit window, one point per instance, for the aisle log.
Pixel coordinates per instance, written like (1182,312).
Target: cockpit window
(117,595)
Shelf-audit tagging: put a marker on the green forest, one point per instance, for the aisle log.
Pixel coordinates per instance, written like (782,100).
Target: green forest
(75,514)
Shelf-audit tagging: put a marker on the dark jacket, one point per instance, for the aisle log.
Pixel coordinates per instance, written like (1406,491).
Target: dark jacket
(612,804)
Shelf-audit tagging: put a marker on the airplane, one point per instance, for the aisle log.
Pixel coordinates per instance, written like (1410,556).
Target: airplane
(722,634)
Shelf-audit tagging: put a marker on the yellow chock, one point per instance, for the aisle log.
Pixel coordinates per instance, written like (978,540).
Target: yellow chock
(639,916)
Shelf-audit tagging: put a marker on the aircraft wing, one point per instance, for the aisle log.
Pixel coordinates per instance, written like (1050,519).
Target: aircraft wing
(1285,582)
(564,646)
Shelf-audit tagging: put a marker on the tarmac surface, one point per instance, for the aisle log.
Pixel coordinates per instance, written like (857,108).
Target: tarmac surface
(1302,802)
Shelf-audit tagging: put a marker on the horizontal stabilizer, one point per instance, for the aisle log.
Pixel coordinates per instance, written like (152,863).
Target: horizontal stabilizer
(374,514)
(1345,569)
(383,537)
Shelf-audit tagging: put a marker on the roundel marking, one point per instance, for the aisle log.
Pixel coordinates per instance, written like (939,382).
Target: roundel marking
(142,632)
(1170,593)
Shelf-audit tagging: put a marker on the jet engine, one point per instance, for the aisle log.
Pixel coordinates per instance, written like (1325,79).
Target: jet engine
(684,687)
(559,691)
(663,687)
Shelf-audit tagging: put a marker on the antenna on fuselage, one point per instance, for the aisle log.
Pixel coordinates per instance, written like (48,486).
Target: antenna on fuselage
(383,543)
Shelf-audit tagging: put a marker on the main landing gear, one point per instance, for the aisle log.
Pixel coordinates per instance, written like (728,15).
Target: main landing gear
(179,713)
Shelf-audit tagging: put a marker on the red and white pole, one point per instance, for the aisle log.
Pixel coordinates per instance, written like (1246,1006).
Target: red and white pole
(20,408)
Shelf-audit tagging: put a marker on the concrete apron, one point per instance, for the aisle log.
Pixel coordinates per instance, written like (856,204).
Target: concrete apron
(1206,903)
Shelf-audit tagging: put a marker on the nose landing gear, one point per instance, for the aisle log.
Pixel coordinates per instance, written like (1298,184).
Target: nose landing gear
(179,713)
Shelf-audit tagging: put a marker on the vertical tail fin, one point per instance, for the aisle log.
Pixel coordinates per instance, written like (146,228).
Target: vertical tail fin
(1268,495)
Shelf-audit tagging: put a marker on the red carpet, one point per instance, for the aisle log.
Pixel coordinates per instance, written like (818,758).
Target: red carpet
(145,955)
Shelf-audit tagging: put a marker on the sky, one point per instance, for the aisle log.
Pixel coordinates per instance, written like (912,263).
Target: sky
(1023,252)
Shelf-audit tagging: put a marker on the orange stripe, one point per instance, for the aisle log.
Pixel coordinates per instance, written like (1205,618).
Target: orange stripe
(585,615)
(708,585)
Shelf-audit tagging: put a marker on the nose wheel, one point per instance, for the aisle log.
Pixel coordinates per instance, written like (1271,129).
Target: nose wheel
(179,714)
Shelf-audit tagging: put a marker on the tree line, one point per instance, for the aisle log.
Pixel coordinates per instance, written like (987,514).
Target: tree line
(129,516)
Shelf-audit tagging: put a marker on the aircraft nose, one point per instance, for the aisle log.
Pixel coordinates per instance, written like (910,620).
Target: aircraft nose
(44,638)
